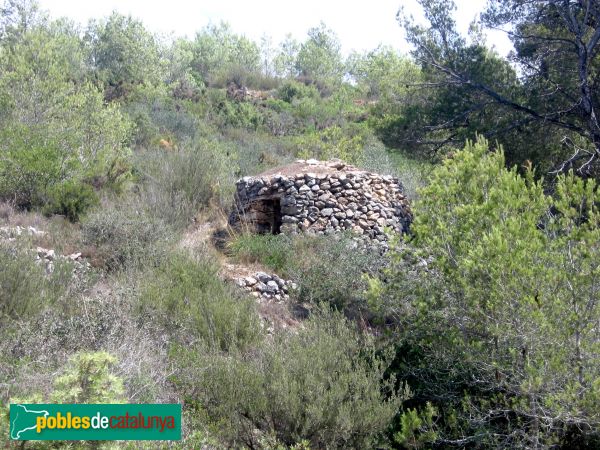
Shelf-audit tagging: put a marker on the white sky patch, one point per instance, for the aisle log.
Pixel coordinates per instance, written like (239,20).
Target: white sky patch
(360,25)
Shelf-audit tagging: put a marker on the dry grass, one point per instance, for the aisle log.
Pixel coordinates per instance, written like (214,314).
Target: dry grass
(56,231)
(103,319)
(11,217)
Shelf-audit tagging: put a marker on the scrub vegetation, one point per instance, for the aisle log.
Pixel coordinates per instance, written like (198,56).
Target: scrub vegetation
(119,152)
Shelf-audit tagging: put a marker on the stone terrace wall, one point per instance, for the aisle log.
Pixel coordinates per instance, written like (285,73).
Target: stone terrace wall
(321,197)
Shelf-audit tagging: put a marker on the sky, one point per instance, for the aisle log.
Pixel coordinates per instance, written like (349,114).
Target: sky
(360,25)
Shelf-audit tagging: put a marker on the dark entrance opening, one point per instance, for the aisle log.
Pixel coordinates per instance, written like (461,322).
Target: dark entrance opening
(268,217)
(276,227)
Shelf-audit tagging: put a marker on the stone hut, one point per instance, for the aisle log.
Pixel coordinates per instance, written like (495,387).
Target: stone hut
(321,197)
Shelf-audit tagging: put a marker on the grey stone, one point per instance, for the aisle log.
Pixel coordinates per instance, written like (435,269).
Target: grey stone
(272,287)
(250,281)
(288,200)
(264,277)
(291,210)
(363,224)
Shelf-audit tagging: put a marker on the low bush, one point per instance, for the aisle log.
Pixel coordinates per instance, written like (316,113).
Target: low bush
(30,166)
(177,185)
(87,378)
(225,112)
(25,288)
(256,152)
(126,238)
(53,129)
(292,90)
(332,142)
(322,383)
(192,303)
(156,115)
(333,269)
(70,199)
(35,347)
(329,269)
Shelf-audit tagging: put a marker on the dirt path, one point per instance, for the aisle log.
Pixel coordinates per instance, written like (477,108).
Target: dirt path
(276,314)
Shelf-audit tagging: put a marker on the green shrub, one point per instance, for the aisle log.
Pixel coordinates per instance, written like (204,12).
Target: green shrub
(333,269)
(157,115)
(278,105)
(292,90)
(25,288)
(179,184)
(70,199)
(417,428)
(126,238)
(329,269)
(242,75)
(87,379)
(502,314)
(332,142)
(189,299)
(322,383)
(53,129)
(30,166)
(226,113)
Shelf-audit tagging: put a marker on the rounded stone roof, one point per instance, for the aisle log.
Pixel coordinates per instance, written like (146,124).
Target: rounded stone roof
(302,166)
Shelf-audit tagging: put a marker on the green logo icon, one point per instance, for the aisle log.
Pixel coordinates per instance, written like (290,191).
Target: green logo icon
(49,422)
(23,419)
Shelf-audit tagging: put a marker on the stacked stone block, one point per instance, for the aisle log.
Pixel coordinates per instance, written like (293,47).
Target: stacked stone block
(322,198)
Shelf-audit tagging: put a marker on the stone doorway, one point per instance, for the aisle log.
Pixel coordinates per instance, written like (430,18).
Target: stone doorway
(268,216)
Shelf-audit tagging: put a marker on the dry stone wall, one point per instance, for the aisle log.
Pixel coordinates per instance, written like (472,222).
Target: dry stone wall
(321,197)
(267,287)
